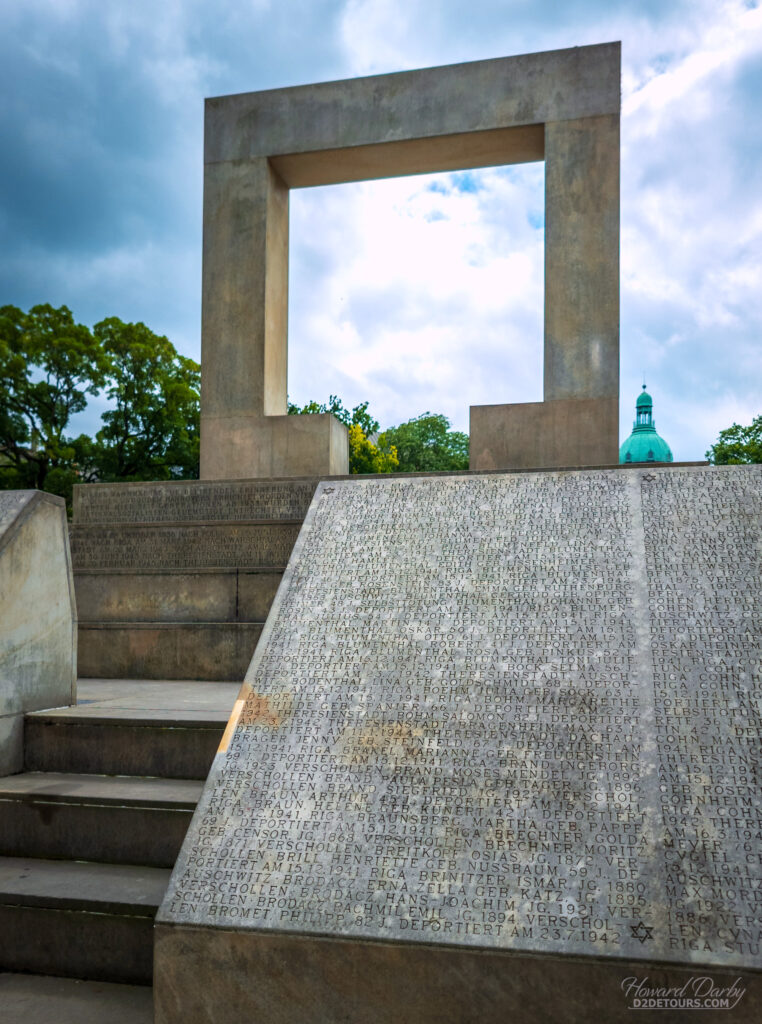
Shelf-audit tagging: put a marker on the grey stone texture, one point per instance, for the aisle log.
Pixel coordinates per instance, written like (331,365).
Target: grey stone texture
(496,752)
(178,501)
(167,650)
(210,595)
(183,546)
(30,999)
(89,832)
(564,432)
(95,818)
(77,919)
(38,619)
(561,106)
(174,580)
(127,727)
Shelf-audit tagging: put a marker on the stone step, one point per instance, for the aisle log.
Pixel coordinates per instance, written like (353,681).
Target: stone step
(202,545)
(36,999)
(167,650)
(140,746)
(162,595)
(114,819)
(82,920)
(193,500)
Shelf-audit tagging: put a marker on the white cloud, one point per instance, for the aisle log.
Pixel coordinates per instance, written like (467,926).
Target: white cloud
(411,298)
(430,302)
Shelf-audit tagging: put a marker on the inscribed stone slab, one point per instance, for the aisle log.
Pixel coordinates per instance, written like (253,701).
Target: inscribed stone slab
(182,546)
(511,713)
(192,500)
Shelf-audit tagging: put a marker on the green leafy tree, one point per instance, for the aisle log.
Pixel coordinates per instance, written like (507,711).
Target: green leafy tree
(364,455)
(152,430)
(738,445)
(48,366)
(426,444)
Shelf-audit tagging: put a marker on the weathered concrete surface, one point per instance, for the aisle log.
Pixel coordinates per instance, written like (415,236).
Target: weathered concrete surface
(175,579)
(132,727)
(238,446)
(303,980)
(32,999)
(77,919)
(582,261)
(167,650)
(211,595)
(179,501)
(84,917)
(518,145)
(96,819)
(183,545)
(562,106)
(480,96)
(38,623)
(544,435)
(494,722)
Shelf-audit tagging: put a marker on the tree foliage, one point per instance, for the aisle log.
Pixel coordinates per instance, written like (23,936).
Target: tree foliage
(738,445)
(151,432)
(426,444)
(49,365)
(364,455)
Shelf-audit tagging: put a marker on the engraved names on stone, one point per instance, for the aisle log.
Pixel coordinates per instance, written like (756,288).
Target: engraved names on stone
(199,500)
(11,503)
(703,572)
(191,546)
(462,727)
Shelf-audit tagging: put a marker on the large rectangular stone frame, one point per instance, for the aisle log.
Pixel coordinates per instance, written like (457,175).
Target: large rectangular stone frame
(562,106)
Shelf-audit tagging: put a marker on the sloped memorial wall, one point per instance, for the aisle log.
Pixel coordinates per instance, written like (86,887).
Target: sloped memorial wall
(497,753)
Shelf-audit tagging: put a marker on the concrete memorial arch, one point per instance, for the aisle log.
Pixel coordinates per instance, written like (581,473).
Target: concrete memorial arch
(562,106)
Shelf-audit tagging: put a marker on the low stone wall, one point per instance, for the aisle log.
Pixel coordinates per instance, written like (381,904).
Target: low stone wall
(38,621)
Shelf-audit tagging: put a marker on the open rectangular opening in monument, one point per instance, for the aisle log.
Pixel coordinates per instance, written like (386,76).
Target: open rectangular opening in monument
(417,293)
(560,107)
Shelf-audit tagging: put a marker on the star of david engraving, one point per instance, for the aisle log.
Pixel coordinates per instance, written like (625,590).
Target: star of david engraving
(641,932)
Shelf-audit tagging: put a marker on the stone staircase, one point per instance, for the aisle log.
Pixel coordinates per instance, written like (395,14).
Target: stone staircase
(87,843)
(173,584)
(174,580)
(90,830)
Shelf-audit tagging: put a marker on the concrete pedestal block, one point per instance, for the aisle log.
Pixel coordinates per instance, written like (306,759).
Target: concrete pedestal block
(240,447)
(204,975)
(545,435)
(38,620)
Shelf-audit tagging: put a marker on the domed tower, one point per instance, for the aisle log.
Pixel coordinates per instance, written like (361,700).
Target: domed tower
(644,444)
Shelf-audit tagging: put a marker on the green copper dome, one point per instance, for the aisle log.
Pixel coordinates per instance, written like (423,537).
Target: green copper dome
(644,444)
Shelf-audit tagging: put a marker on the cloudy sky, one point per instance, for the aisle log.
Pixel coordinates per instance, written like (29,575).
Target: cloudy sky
(420,293)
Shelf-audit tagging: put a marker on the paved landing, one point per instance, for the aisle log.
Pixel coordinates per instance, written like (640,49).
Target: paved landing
(31,999)
(78,885)
(147,700)
(121,791)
